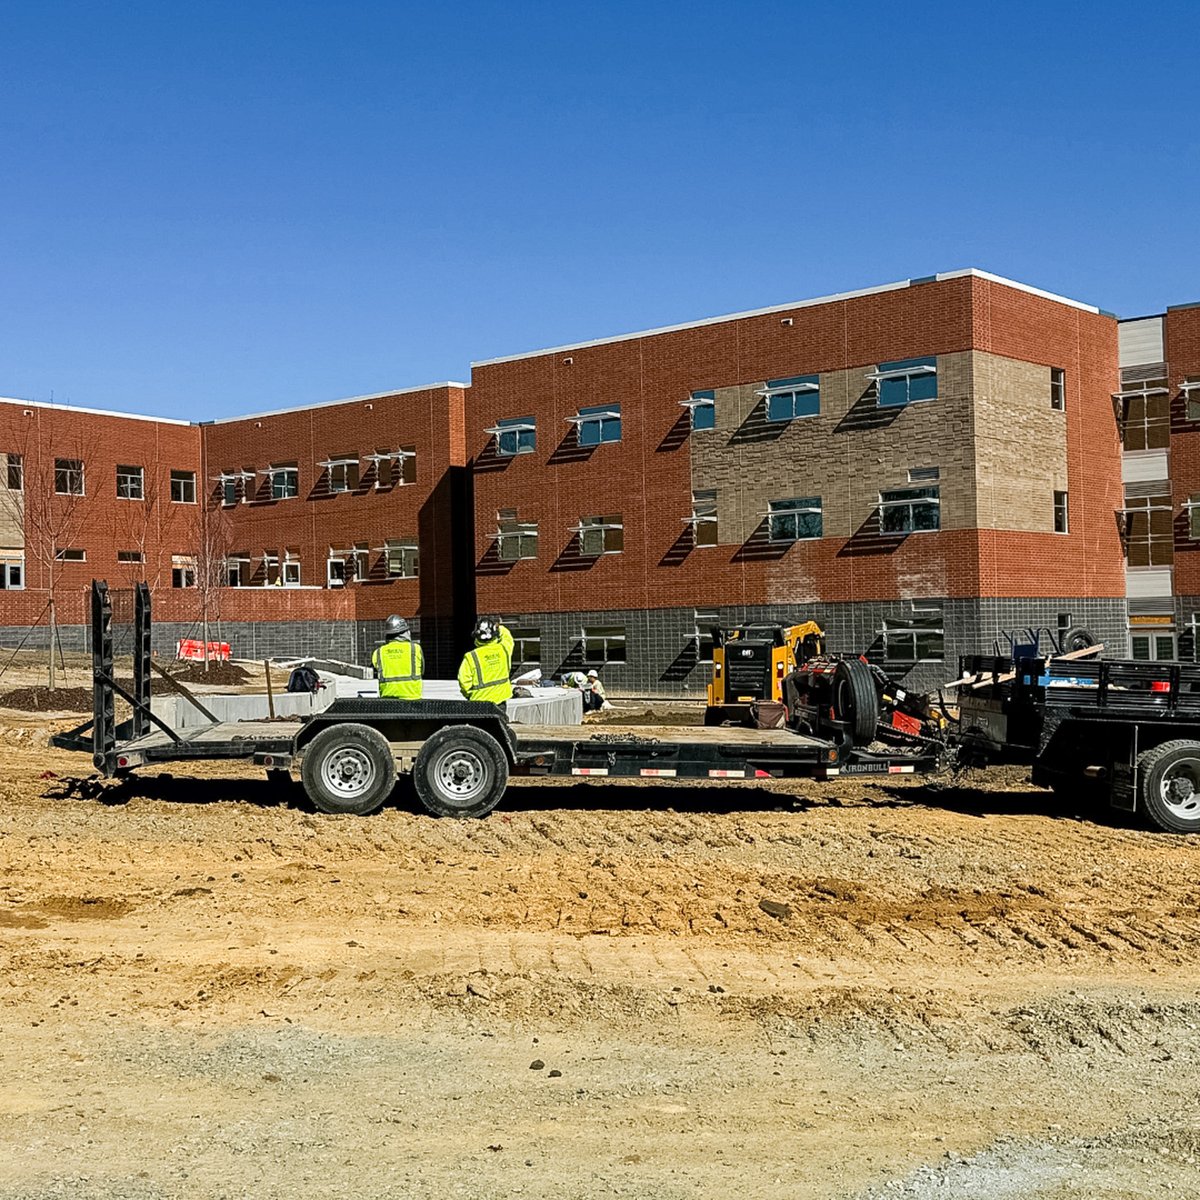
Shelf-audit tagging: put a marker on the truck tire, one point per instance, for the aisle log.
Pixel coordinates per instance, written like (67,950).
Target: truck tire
(1169,786)
(855,700)
(1076,638)
(348,769)
(460,771)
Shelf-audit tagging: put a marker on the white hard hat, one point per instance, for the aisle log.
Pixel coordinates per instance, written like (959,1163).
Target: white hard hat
(593,674)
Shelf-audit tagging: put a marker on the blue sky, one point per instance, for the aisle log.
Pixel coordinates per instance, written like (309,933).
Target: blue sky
(216,208)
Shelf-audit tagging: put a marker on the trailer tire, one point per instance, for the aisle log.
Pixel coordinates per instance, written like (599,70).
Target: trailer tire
(855,700)
(1169,786)
(1076,638)
(460,771)
(348,770)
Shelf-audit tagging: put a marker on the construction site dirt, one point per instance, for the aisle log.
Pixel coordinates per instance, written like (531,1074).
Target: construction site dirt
(850,989)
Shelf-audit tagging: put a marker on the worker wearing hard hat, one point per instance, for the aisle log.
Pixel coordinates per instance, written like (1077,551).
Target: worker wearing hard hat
(399,663)
(484,673)
(595,698)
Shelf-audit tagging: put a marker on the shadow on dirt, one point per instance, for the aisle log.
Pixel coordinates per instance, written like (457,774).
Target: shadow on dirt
(180,789)
(970,796)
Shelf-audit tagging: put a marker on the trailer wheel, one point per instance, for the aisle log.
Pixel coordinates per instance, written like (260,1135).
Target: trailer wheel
(855,700)
(1169,786)
(348,769)
(460,771)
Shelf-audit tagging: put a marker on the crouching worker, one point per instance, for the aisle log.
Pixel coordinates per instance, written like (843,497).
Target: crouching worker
(595,698)
(399,663)
(484,672)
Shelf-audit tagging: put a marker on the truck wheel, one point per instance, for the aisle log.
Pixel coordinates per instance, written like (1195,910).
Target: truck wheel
(460,771)
(1169,786)
(1076,638)
(348,769)
(855,700)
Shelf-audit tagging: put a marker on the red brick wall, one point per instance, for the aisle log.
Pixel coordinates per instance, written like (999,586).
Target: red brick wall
(1088,561)
(98,522)
(647,476)
(429,420)
(1182,349)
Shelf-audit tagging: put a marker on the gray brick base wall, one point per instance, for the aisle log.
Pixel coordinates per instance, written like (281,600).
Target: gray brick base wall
(662,653)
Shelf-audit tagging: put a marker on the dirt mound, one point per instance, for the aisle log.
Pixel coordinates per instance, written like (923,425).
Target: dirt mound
(41,699)
(223,673)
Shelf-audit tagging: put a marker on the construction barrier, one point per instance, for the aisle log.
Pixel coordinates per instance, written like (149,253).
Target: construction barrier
(193,651)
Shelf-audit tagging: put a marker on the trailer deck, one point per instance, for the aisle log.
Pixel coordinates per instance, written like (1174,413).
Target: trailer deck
(459,753)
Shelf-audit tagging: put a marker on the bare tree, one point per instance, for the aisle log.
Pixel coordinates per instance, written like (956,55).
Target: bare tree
(49,507)
(211,542)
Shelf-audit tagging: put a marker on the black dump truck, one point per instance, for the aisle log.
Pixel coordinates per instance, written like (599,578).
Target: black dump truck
(459,754)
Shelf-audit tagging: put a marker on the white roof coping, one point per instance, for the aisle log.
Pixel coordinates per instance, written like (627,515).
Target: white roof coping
(783,308)
(93,412)
(280,412)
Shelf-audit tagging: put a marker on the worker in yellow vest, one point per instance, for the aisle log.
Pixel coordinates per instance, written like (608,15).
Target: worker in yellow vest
(484,672)
(399,663)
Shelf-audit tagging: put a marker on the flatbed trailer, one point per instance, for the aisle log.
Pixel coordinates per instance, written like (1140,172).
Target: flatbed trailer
(459,754)
(1121,732)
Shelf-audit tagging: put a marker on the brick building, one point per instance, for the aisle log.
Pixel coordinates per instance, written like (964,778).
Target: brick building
(919,466)
(1158,408)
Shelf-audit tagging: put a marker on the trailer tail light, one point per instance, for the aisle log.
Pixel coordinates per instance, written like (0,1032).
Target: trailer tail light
(268,760)
(122,760)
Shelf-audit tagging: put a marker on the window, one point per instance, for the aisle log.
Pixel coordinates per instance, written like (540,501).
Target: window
(237,570)
(601,535)
(1149,532)
(527,645)
(285,481)
(68,476)
(515,435)
(910,510)
(129,556)
(906,381)
(795,520)
(291,569)
(1058,388)
(1060,512)
(1145,415)
(515,539)
(343,473)
(704,517)
(335,569)
(1152,647)
(12,570)
(703,406)
(705,622)
(401,558)
(360,560)
(1190,389)
(233,485)
(70,555)
(601,423)
(603,644)
(15,473)
(799,396)
(183,571)
(183,487)
(917,637)
(393,468)
(131,483)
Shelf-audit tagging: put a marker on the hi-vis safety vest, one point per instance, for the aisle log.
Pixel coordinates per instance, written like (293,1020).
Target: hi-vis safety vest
(485,670)
(399,666)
